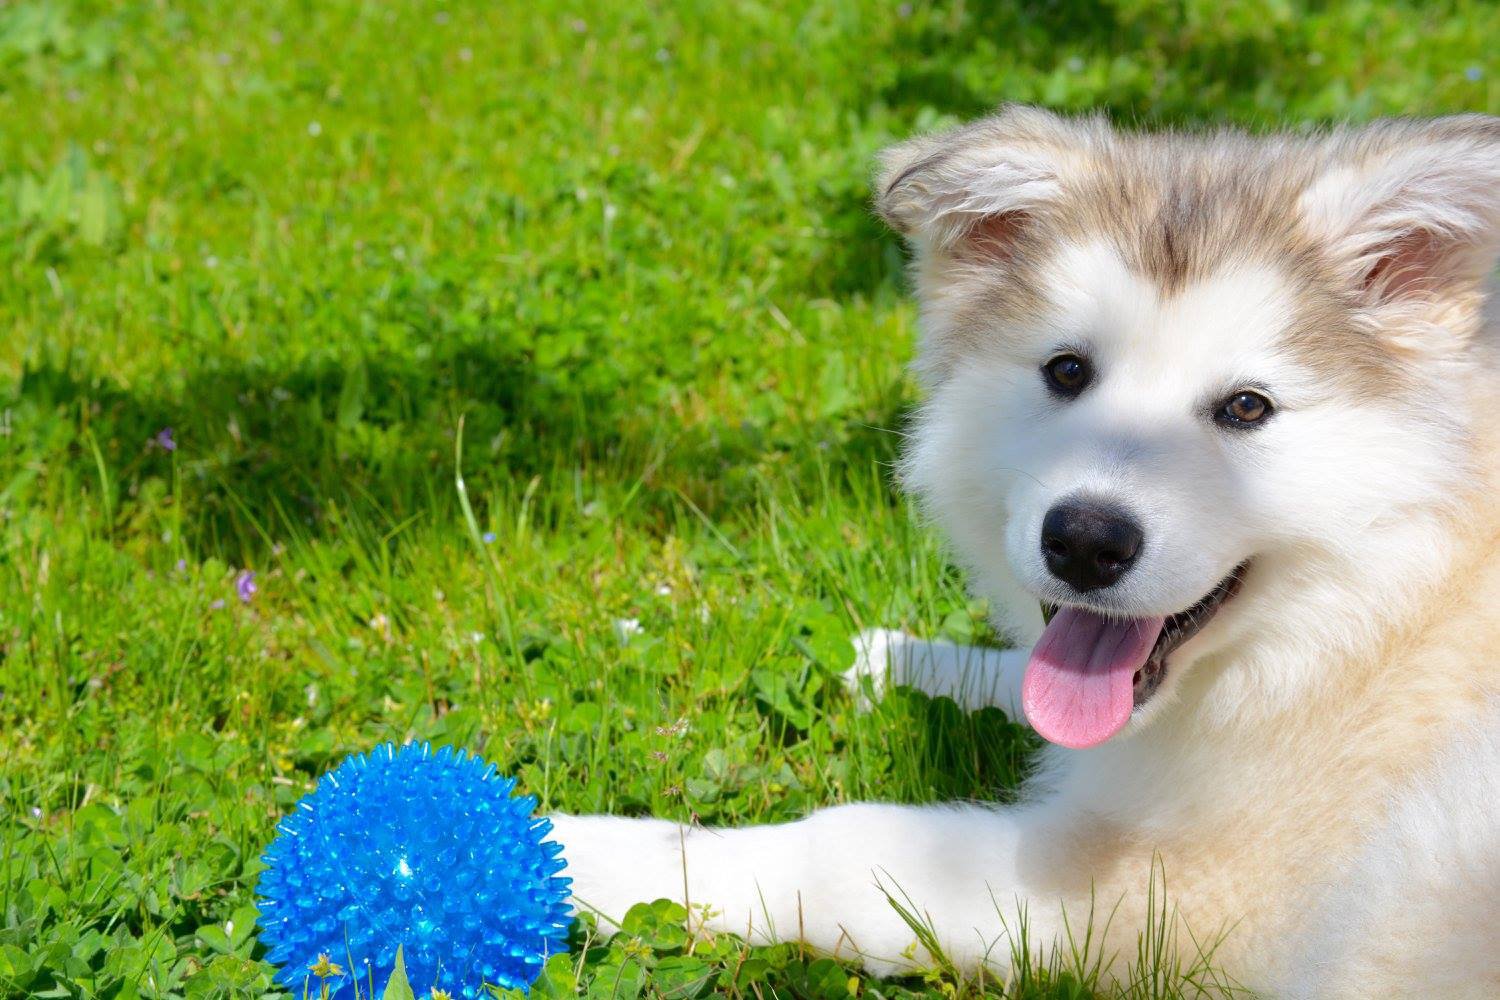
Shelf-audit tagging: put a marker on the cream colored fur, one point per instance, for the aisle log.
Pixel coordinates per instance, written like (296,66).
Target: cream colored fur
(1319,777)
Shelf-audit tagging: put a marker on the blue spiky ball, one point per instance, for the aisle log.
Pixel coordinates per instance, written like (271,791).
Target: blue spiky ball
(420,848)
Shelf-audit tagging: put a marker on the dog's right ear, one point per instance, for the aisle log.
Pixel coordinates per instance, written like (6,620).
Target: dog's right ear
(973,192)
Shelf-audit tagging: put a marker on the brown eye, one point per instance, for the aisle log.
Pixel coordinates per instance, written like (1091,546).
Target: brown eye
(1244,409)
(1067,374)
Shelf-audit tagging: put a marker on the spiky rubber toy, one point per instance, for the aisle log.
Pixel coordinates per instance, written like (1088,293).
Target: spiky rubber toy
(417,848)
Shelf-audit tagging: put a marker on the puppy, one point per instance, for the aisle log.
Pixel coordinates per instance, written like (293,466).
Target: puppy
(1211,421)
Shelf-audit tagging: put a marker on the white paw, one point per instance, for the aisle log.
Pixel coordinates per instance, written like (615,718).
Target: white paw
(874,652)
(616,862)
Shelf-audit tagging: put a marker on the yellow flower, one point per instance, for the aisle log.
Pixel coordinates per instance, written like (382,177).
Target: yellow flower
(438,994)
(324,969)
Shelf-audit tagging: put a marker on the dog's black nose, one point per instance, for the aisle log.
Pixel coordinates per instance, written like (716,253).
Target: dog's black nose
(1089,544)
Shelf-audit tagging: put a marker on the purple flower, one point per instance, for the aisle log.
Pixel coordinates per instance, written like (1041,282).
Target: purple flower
(216,604)
(164,439)
(244,585)
(181,565)
(1474,74)
(489,537)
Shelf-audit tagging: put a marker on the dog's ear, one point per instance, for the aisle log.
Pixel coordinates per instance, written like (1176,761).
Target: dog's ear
(1409,211)
(975,191)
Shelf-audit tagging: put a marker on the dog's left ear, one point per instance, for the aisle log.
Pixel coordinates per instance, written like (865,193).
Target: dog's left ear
(1409,211)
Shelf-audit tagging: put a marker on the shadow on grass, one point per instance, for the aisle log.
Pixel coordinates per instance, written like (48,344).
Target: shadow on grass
(966,59)
(952,755)
(264,450)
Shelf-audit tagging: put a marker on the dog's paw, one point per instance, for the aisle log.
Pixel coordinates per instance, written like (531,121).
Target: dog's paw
(616,862)
(874,652)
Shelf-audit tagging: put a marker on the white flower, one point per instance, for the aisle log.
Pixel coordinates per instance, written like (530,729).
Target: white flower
(679,729)
(314,128)
(627,627)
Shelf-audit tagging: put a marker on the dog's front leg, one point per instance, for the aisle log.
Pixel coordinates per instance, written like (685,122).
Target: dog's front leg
(824,880)
(973,676)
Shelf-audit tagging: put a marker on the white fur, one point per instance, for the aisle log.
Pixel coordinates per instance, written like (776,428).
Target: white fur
(1320,772)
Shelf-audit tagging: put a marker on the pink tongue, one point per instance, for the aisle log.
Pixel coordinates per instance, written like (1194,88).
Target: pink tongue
(1078,689)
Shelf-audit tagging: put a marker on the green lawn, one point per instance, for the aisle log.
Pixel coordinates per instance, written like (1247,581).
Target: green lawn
(621,254)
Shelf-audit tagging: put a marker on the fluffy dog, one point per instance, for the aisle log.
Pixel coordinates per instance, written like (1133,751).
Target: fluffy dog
(1222,409)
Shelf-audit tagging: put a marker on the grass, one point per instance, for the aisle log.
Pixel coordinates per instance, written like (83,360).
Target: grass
(621,252)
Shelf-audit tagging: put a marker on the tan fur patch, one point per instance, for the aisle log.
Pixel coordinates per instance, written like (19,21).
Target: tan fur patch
(1177,208)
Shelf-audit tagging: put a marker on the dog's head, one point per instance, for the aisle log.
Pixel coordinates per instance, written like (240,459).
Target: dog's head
(1188,389)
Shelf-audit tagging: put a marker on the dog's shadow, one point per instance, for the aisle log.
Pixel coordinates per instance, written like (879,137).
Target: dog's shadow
(937,752)
(261,451)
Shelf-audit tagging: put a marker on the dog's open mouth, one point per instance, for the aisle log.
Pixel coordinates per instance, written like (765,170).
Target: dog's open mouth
(1178,629)
(1089,671)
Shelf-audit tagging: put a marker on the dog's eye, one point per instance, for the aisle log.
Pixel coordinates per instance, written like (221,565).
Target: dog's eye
(1067,374)
(1244,409)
